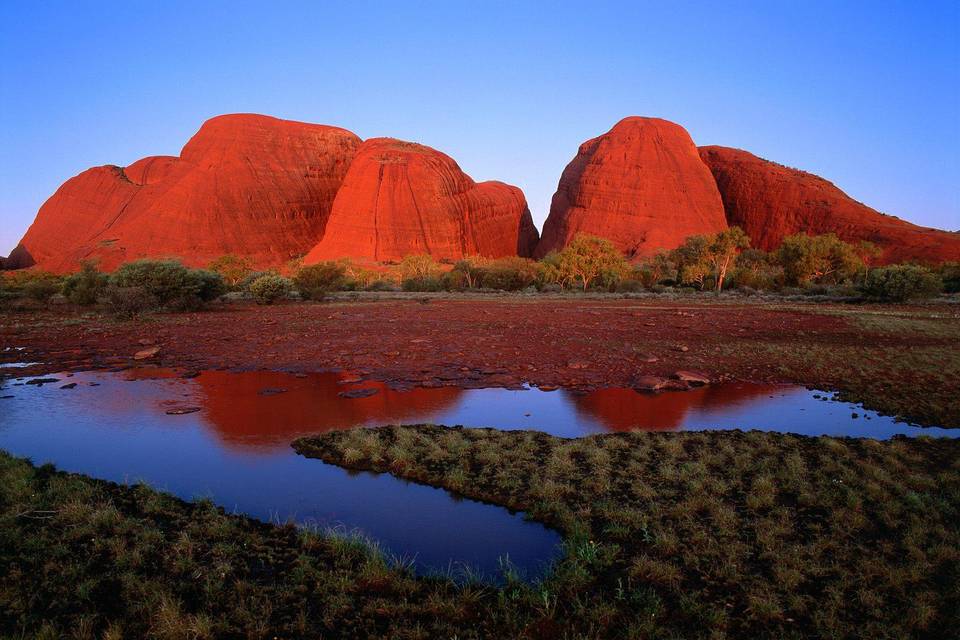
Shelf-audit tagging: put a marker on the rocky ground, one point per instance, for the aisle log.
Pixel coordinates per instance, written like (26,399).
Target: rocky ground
(902,360)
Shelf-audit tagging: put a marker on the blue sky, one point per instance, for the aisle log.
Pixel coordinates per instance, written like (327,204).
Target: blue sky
(866,94)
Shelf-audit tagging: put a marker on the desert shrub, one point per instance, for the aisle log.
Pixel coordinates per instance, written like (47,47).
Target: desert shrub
(244,285)
(549,271)
(822,259)
(508,274)
(129,303)
(380,284)
(418,266)
(270,288)
(758,270)
(632,285)
(660,268)
(36,285)
(423,283)
(466,273)
(900,282)
(950,275)
(86,286)
(173,285)
(587,260)
(316,280)
(232,268)
(704,261)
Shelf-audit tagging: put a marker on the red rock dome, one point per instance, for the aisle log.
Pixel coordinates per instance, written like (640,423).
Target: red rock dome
(401,198)
(770,201)
(641,185)
(245,184)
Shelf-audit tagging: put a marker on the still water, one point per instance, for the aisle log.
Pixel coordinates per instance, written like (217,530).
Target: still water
(227,436)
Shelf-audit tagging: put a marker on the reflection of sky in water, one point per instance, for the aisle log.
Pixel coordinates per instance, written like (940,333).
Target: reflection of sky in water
(236,449)
(120,431)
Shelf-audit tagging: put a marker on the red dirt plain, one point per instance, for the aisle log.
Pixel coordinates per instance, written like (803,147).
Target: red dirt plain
(897,359)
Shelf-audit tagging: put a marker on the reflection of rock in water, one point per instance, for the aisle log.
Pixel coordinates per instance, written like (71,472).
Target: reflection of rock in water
(240,415)
(628,410)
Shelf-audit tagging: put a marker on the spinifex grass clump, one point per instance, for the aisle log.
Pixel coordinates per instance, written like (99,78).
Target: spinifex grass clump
(81,558)
(711,534)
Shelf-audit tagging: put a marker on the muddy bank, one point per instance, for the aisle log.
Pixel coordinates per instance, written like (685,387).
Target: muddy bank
(900,360)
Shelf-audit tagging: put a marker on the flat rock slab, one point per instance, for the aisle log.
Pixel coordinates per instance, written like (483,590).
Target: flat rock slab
(146,354)
(43,381)
(179,411)
(358,393)
(694,378)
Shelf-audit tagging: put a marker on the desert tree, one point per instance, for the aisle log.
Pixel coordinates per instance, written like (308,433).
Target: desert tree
(588,258)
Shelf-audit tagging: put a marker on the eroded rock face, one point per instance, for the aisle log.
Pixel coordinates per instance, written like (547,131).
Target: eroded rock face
(770,201)
(401,198)
(641,185)
(244,184)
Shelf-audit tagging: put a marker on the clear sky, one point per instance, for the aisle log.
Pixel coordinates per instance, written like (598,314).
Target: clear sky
(866,94)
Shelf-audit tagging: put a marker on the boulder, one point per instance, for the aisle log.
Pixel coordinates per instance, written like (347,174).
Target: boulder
(400,198)
(641,185)
(770,201)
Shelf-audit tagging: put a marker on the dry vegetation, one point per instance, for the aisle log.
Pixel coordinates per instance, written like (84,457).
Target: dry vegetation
(710,534)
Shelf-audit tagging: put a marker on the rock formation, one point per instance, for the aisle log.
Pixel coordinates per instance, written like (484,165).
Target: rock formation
(401,198)
(245,184)
(641,185)
(770,201)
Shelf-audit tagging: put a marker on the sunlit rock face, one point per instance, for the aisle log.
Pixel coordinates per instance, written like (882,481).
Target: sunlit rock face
(245,184)
(401,198)
(770,201)
(641,185)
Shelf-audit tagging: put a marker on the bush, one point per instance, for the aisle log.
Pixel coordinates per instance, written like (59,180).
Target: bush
(86,286)
(173,285)
(508,274)
(822,259)
(316,280)
(210,284)
(270,288)
(129,302)
(418,267)
(900,282)
(950,274)
(586,260)
(244,285)
(37,285)
(380,285)
(423,283)
(232,268)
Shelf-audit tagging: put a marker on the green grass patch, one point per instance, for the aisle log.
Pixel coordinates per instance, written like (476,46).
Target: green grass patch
(707,535)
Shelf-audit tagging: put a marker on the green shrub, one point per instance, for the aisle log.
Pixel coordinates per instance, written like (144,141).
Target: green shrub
(270,288)
(509,274)
(586,261)
(316,280)
(380,285)
(244,285)
(418,267)
(232,268)
(900,282)
(822,259)
(950,274)
(210,284)
(173,285)
(37,285)
(129,302)
(423,283)
(86,286)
